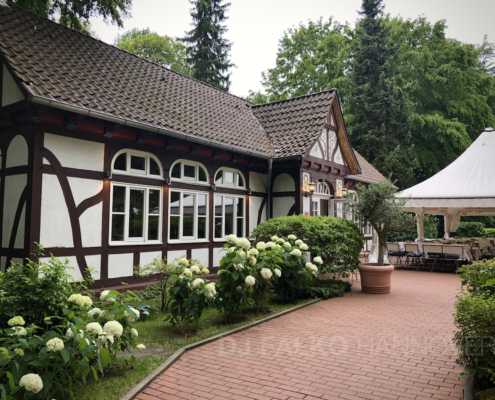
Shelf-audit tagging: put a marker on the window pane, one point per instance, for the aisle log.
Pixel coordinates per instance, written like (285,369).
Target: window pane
(176,171)
(202,228)
(202,174)
(240,207)
(188,215)
(175,203)
(174,227)
(138,163)
(153,225)
(154,201)
(240,181)
(121,162)
(240,230)
(136,208)
(218,227)
(218,206)
(154,168)
(117,227)
(201,204)
(118,204)
(219,178)
(189,171)
(229,215)
(229,177)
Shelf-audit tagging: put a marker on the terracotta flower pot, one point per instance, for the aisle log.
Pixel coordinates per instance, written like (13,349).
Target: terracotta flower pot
(375,278)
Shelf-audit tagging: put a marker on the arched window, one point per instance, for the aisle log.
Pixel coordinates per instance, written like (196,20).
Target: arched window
(230,177)
(322,188)
(133,162)
(189,171)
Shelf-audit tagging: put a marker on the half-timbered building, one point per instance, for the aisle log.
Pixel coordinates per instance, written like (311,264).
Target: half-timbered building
(110,160)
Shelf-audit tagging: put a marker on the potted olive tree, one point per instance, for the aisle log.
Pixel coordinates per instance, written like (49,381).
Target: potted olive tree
(378,205)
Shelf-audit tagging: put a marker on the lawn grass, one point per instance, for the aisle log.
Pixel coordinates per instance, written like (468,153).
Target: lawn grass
(154,332)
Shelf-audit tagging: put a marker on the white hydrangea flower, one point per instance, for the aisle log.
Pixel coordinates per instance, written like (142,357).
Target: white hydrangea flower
(244,243)
(308,264)
(197,282)
(239,267)
(19,352)
(220,271)
(19,331)
(94,328)
(304,247)
(250,281)
(287,245)
(32,383)
(211,288)
(270,245)
(232,239)
(16,321)
(243,255)
(296,252)
(141,347)
(266,274)
(254,252)
(134,333)
(187,272)
(104,338)
(292,237)
(55,344)
(311,267)
(70,334)
(94,311)
(239,287)
(104,294)
(318,260)
(113,328)
(209,295)
(280,240)
(129,317)
(4,352)
(261,245)
(252,261)
(278,272)
(230,250)
(274,238)
(195,270)
(298,242)
(205,271)
(108,315)
(78,299)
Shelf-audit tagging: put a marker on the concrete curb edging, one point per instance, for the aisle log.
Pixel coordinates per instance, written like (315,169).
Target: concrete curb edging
(131,394)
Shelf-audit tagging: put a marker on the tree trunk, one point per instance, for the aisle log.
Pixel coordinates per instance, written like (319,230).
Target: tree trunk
(381,248)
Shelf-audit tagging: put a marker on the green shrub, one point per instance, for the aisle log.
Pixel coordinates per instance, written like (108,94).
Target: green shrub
(489,232)
(37,290)
(323,289)
(337,241)
(470,229)
(479,277)
(430,229)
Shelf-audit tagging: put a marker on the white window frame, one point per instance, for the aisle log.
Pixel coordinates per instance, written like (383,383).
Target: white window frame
(214,216)
(338,209)
(320,192)
(136,241)
(134,172)
(188,239)
(229,185)
(194,181)
(315,210)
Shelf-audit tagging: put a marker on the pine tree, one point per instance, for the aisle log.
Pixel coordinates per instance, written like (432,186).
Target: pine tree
(208,51)
(379,108)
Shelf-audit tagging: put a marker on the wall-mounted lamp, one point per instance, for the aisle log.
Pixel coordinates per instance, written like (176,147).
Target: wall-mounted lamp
(213,187)
(311,189)
(345,190)
(249,190)
(107,174)
(167,181)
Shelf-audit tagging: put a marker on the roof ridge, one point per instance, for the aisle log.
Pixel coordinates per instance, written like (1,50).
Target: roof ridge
(295,98)
(125,51)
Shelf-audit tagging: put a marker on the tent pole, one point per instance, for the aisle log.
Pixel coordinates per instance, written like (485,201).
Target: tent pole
(446,227)
(421,232)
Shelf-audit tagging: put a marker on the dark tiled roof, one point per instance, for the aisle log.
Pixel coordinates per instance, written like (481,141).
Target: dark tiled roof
(58,63)
(293,125)
(370,173)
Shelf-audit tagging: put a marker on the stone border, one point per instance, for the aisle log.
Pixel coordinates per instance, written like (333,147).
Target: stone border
(174,357)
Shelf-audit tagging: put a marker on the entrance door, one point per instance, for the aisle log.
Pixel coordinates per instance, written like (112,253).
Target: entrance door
(324,208)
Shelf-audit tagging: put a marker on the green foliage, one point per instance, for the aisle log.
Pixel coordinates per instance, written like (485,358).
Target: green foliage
(479,277)
(430,230)
(75,13)
(337,241)
(208,50)
(470,229)
(37,290)
(323,289)
(162,50)
(378,205)
(489,232)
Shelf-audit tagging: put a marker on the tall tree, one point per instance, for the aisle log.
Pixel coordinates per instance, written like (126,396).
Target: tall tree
(162,50)
(75,13)
(380,111)
(208,50)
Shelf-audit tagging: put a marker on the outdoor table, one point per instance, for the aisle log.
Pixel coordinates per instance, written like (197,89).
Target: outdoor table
(467,250)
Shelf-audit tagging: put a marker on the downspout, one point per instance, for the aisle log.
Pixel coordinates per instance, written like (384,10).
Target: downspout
(269,190)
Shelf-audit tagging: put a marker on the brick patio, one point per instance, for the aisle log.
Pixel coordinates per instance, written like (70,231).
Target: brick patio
(396,346)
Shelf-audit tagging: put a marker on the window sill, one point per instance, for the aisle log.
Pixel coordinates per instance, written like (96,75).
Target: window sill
(114,244)
(188,241)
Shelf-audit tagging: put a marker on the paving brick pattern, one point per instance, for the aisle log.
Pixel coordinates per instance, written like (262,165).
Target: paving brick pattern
(396,346)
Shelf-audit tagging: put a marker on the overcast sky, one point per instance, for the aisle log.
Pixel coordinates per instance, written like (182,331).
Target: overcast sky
(256,26)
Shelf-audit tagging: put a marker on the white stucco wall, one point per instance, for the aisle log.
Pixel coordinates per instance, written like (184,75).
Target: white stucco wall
(218,254)
(284,183)
(254,207)
(76,153)
(147,257)
(120,265)
(258,182)
(14,186)
(10,92)
(282,205)
(172,255)
(93,262)
(55,228)
(306,206)
(201,255)
(17,153)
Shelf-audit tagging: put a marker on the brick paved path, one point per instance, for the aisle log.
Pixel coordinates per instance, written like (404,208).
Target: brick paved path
(395,346)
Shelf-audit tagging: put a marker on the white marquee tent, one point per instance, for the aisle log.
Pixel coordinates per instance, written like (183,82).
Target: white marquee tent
(464,188)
